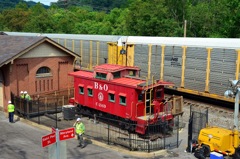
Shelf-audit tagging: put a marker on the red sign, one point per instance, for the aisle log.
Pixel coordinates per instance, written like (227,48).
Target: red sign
(66,134)
(53,130)
(48,139)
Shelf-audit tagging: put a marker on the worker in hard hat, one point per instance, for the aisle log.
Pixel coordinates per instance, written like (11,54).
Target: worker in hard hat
(11,108)
(80,130)
(21,95)
(27,96)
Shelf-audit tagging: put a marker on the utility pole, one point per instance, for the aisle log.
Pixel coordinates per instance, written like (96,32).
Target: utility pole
(185,28)
(234,93)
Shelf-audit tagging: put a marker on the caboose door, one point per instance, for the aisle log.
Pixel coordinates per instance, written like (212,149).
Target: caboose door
(148,101)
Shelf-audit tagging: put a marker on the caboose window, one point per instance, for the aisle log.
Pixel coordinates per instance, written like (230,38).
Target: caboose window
(140,97)
(101,75)
(111,97)
(90,92)
(116,74)
(81,90)
(122,100)
(132,73)
(158,94)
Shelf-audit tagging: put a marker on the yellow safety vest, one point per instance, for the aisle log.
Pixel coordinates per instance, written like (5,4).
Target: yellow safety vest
(27,97)
(80,128)
(10,108)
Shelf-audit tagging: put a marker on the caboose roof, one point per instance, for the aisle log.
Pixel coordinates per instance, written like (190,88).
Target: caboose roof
(82,74)
(113,68)
(124,81)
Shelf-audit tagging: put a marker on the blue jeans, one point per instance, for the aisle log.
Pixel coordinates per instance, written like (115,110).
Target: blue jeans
(10,115)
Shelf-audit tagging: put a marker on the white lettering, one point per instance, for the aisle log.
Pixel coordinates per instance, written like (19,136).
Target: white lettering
(102,105)
(105,87)
(95,85)
(100,86)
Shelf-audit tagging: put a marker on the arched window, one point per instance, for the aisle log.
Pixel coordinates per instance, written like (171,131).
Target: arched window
(43,72)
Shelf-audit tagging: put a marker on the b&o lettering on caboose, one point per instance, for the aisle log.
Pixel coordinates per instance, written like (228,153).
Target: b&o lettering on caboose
(98,86)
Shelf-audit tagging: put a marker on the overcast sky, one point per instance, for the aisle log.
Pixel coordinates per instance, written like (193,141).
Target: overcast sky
(46,2)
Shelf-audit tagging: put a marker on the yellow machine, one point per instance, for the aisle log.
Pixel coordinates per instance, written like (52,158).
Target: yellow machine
(219,139)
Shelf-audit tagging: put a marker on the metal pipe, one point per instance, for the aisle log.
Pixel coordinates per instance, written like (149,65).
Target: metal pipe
(236,109)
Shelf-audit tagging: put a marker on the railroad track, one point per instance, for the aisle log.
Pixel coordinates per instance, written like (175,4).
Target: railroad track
(218,115)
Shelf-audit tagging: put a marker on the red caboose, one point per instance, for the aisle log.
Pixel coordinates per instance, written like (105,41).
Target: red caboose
(117,91)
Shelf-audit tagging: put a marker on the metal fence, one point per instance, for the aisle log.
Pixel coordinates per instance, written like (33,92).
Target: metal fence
(98,128)
(198,120)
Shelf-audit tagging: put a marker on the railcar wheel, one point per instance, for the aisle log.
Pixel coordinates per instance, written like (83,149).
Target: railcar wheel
(237,153)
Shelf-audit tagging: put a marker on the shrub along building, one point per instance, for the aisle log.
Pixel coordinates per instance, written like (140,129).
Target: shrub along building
(33,64)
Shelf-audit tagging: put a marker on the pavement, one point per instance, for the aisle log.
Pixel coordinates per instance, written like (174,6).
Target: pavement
(23,140)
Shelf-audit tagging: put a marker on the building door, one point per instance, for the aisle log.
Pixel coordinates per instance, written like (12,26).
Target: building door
(23,79)
(63,76)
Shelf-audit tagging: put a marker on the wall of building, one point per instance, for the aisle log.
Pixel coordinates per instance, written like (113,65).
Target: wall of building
(23,74)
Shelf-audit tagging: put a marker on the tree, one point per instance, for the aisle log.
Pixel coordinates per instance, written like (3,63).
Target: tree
(150,18)
(39,20)
(15,19)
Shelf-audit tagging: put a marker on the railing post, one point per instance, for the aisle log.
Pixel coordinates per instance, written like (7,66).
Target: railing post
(56,114)
(130,141)
(95,118)
(27,102)
(45,104)
(38,110)
(108,132)
(178,130)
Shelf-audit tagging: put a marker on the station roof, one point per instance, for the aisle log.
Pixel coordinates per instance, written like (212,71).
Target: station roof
(12,47)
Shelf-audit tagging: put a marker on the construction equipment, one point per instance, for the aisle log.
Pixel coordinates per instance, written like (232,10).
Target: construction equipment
(221,140)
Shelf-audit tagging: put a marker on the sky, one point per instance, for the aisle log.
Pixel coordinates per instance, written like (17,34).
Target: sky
(46,2)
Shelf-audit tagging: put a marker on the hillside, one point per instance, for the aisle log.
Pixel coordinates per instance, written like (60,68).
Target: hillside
(6,4)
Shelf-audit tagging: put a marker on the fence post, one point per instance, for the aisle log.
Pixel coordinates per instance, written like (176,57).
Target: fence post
(178,131)
(95,118)
(148,140)
(190,130)
(45,104)
(56,115)
(108,132)
(38,110)
(27,102)
(130,141)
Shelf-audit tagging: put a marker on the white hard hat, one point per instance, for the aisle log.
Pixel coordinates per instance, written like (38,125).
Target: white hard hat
(9,102)
(25,92)
(21,92)
(78,119)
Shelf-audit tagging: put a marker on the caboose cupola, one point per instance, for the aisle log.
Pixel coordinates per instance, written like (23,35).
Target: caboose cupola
(109,72)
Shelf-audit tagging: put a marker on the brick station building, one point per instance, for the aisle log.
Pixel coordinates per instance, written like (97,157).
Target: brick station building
(34,64)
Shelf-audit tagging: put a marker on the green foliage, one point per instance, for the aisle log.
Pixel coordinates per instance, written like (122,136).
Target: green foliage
(150,18)
(205,18)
